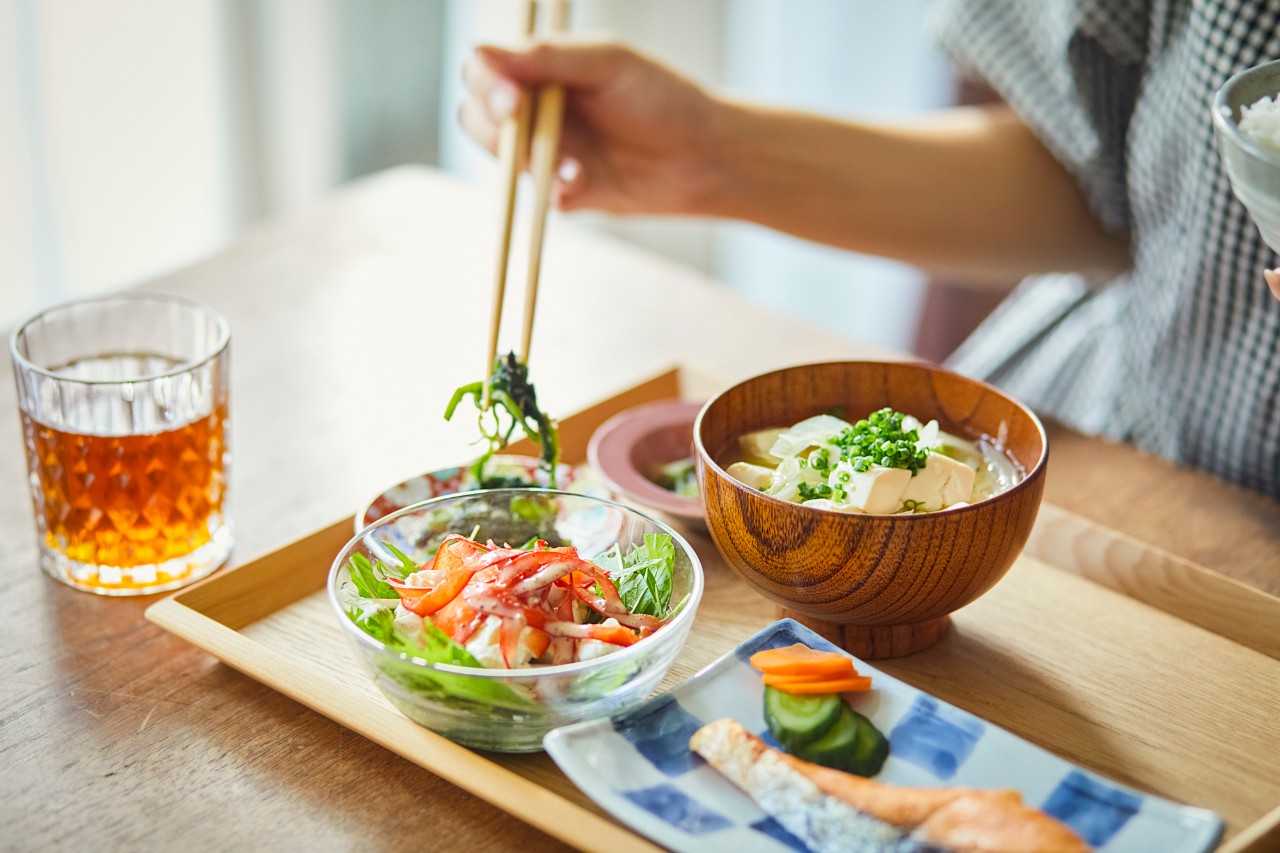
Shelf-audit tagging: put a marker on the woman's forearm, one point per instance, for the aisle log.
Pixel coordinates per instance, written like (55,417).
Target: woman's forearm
(966,191)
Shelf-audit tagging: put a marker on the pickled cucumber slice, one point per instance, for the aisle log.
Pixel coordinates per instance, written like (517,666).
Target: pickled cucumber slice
(795,721)
(852,744)
(870,750)
(836,748)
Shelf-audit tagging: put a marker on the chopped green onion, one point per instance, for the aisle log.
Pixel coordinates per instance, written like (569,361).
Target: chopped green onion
(880,439)
(808,492)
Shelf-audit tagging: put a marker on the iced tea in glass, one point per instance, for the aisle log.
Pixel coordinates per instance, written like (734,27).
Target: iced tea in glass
(123,401)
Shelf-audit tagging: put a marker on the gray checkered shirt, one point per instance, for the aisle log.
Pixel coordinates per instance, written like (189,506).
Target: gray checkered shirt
(1180,355)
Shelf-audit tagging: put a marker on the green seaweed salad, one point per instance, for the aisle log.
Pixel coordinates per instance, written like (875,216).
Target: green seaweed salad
(512,403)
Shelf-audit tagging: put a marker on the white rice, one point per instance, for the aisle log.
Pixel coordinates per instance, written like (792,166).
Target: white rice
(1260,122)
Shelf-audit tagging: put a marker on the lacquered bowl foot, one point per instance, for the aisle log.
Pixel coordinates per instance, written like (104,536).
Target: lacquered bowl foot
(876,642)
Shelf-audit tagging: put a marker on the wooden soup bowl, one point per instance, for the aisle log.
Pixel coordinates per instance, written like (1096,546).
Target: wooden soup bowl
(879,586)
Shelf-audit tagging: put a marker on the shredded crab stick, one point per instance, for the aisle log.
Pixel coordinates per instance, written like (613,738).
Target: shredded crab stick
(535,603)
(800,669)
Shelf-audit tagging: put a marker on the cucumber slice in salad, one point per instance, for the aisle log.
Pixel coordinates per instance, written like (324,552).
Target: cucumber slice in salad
(795,721)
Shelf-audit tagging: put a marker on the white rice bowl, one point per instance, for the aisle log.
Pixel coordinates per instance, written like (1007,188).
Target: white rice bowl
(1260,122)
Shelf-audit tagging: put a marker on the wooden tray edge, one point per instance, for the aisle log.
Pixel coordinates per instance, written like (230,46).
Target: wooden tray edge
(1261,836)
(458,765)
(1157,578)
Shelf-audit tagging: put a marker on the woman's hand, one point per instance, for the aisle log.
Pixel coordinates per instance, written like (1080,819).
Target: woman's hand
(636,135)
(1273,281)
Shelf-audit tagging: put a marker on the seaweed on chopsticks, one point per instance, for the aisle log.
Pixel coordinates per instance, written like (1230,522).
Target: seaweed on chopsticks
(512,403)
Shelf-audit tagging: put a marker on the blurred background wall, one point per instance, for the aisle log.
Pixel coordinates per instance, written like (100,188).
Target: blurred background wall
(140,135)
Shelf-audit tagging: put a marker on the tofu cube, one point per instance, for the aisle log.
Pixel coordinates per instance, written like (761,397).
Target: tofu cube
(592,649)
(828,504)
(408,622)
(877,491)
(485,645)
(755,446)
(755,476)
(940,483)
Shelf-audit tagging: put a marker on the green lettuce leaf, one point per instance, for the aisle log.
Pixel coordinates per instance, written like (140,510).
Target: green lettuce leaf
(370,579)
(646,575)
(377,619)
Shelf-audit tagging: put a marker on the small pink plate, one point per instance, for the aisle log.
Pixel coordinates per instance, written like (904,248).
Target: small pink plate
(630,448)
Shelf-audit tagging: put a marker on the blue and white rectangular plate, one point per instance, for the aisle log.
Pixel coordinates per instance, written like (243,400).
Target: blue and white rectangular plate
(639,768)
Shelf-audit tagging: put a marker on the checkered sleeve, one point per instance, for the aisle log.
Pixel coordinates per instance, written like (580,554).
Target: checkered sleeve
(1070,70)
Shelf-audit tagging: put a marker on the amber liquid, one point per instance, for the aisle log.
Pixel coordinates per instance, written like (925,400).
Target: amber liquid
(131,500)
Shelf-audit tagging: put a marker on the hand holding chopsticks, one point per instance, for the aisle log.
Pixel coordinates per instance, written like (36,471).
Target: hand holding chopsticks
(544,151)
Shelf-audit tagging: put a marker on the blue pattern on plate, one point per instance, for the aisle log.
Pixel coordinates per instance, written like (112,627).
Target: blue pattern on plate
(678,809)
(778,832)
(639,766)
(934,736)
(1092,808)
(660,731)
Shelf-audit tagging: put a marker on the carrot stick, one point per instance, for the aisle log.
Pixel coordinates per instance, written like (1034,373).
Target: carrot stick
(782,679)
(853,684)
(813,669)
(799,659)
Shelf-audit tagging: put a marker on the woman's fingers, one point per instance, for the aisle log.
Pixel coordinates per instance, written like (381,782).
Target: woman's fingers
(1273,281)
(494,76)
(582,171)
(569,183)
(491,99)
(629,122)
(477,123)
(582,65)
(498,95)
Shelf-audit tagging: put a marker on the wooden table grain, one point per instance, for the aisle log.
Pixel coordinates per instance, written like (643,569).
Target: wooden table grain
(351,324)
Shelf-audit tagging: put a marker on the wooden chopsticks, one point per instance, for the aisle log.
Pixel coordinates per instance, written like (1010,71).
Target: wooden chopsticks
(544,149)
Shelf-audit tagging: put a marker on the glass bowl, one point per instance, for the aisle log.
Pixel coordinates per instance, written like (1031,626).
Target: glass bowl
(510,710)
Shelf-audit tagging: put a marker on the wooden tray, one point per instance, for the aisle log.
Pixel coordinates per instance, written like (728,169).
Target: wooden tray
(1086,648)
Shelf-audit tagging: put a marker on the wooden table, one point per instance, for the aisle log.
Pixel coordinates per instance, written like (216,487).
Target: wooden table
(115,734)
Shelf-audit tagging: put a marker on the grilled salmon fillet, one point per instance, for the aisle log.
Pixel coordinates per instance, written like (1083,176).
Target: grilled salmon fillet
(829,810)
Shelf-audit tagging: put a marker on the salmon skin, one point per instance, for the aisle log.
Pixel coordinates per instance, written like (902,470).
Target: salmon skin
(830,811)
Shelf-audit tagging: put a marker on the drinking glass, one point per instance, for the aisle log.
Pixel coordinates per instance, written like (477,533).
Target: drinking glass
(123,401)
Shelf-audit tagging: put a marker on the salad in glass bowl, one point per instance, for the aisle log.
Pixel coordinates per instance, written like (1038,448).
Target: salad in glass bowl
(493,616)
